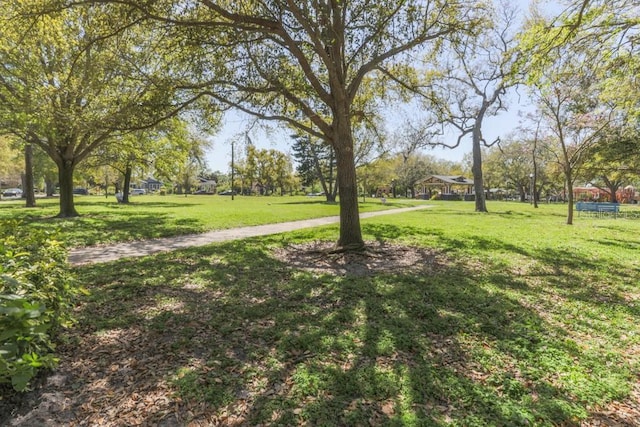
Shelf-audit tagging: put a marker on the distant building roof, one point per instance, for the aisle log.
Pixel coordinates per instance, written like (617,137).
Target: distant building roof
(446,179)
(151,181)
(207,181)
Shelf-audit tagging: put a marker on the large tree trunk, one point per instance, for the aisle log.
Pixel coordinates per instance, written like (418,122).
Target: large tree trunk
(65,179)
(478,184)
(28,176)
(350,232)
(127,183)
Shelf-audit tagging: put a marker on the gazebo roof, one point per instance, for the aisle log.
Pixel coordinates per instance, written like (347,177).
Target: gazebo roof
(446,179)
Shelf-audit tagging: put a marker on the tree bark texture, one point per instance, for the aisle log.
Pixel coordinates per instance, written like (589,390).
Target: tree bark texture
(127,183)
(478,184)
(65,178)
(350,232)
(28,176)
(569,177)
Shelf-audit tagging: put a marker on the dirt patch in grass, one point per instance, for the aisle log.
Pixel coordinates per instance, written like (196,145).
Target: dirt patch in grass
(378,258)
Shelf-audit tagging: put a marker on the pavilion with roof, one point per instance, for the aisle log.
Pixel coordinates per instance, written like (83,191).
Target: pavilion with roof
(450,187)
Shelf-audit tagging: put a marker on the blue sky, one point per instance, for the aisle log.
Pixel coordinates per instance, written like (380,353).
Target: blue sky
(219,155)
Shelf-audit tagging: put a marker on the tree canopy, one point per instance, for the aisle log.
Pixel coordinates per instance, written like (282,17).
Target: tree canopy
(75,79)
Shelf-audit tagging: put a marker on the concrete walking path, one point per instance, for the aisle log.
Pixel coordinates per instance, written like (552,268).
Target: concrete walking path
(106,253)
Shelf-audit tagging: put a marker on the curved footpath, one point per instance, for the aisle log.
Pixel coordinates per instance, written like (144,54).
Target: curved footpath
(106,253)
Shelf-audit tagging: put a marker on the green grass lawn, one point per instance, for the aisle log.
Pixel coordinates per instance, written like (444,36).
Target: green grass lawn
(103,220)
(522,320)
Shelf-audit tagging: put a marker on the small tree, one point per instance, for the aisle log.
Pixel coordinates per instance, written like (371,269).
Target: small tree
(576,65)
(180,156)
(316,162)
(575,125)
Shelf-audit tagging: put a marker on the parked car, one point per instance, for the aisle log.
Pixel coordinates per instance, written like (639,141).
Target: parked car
(81,191)
(137,191)
(227,193)
(12,192)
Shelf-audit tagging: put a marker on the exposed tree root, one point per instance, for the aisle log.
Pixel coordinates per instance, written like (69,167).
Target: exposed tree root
(366,260)
(358,248)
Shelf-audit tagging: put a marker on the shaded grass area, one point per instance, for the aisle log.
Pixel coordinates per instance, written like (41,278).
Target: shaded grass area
(103,220)
(529,322)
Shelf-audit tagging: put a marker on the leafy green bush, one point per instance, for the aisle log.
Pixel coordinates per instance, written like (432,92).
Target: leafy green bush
(37,291)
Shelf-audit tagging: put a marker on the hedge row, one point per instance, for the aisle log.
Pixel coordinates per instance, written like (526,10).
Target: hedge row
(37,291)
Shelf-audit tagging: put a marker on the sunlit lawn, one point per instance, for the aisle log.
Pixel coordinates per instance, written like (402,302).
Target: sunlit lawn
(527,321)
(104,220)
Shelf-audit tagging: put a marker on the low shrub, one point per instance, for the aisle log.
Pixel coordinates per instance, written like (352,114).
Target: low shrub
(37,291)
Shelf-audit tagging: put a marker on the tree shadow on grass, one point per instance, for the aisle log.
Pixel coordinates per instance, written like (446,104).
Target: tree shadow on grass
(626,245)
(228,335)
(389,232)
(122,227)
(370,201)
(314,201)
(135,202)
(569,271)
(383,232)
(52,208)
